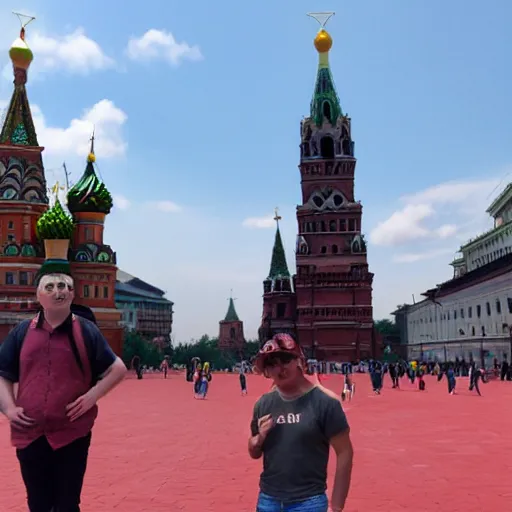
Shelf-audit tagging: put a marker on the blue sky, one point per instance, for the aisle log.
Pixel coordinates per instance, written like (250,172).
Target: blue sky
(197,108)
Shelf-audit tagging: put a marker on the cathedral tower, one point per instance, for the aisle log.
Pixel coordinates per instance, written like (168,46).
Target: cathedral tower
(23,198)
(93,263)
(333,283)
(231,330)
(279,307)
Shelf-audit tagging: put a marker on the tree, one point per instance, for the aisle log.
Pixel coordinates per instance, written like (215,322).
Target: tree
(386,327)
(136,345)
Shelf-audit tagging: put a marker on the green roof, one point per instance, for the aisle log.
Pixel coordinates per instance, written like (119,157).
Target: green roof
(231,315)
(90,194)
(18,128)
(325,94)
(278,266)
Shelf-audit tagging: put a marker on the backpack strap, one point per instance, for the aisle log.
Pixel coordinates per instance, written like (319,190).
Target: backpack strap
(21,332)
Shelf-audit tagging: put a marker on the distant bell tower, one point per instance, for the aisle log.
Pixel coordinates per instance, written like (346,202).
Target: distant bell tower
(333,283)
(23,196)
(231,329)
(279,303)
(93,263)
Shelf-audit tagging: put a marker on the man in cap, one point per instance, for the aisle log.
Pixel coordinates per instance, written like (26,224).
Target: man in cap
(63,365)
(293,427)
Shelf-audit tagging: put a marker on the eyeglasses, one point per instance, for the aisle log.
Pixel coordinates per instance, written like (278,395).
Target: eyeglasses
(278,359)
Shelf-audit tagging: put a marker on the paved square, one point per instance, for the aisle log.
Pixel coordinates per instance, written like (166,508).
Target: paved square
(156,449)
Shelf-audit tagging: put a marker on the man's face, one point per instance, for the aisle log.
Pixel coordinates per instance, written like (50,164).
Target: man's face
(282,368)
(55,292)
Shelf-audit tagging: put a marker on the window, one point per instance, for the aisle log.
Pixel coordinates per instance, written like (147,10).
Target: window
(470,312)
(232,333)
(130,316)
(26,231)
(462,312)
(509,304)
(89,235)
(11,238)
(351,224)
(96,292)
(24,279)
(281,310)
(86,290)
(478,311)
(323,250)
(327,147)
(488,307)
(472,330)
(332,225)
(10,278)
(10,225)
(498,306)
(335,249)
(343,225)
(455,314)
(105,292)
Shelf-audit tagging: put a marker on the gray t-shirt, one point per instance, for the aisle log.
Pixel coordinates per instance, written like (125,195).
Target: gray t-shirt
(296,450)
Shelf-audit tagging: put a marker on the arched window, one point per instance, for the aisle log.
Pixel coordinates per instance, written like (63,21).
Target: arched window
(327,147)
(335,249)
(232,333)
(326,109)
(333,226)
(323,250)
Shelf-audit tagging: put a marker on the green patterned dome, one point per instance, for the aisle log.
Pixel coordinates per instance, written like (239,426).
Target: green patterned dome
(55,224)
(90,194)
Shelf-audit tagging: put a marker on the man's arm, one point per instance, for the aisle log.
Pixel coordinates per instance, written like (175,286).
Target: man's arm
(9,365)
(109,379)
(6,395)
(255,441)
(344,455)
(337,431)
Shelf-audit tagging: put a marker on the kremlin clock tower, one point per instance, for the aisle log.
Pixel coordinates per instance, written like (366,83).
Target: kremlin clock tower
(332,288)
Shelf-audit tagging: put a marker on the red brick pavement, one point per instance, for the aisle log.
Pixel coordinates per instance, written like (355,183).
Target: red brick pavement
(156,449)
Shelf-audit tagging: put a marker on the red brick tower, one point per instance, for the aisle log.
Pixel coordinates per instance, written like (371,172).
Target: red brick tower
(333,283)
(93,264)
(23,198)
(279,305)
(231,330)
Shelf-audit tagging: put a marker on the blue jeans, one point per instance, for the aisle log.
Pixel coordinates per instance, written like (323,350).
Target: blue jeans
(268,503)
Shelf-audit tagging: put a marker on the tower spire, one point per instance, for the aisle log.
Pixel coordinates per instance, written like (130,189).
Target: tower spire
(18,128)
(278,265)
(231,315)
(325,104)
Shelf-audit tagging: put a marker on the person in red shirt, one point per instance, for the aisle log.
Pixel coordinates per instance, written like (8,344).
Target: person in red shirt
(63,365)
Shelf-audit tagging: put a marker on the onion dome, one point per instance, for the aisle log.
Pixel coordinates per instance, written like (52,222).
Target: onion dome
(55,224)
(90,194)
(323,41)
(21,55)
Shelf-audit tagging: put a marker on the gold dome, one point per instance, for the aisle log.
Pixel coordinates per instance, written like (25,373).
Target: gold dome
(323,41)
(20,54)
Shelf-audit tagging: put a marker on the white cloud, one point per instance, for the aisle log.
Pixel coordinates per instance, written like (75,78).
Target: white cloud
(159,44)
(463,202)
(104,118)
(165,206)
(259,222)
(121,202)
(74,52)
(419,256)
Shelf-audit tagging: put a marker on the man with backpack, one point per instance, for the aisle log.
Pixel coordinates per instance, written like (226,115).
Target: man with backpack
(63,365)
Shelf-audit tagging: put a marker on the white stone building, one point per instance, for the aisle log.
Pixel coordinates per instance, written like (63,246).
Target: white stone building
(470,315)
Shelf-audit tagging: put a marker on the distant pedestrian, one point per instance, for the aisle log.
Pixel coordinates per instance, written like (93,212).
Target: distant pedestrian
(243,382)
